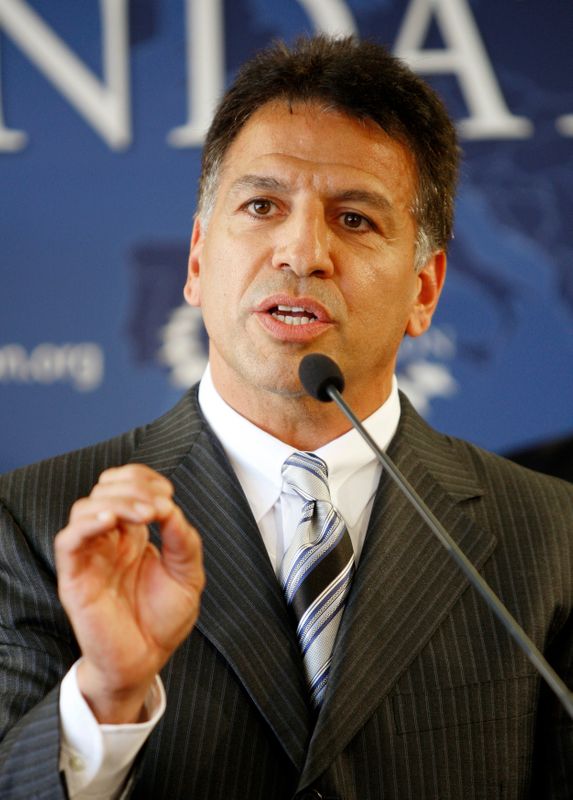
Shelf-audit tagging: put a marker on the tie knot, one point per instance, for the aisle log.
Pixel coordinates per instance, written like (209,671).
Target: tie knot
(307,474)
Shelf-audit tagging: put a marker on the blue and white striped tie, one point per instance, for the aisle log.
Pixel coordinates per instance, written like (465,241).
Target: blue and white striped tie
(317,568)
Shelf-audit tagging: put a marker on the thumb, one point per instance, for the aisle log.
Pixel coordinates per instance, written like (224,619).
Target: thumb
(182,550)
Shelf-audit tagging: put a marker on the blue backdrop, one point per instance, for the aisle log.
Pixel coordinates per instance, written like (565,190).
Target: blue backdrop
(102,107)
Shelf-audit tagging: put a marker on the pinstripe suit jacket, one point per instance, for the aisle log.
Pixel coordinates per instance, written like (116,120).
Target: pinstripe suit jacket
(428,697)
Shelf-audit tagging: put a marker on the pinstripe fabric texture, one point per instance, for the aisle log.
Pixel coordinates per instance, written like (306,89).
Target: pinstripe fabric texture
(435,702)
(317,568)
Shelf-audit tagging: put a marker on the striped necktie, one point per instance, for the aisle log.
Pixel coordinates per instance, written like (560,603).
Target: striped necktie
(317,568)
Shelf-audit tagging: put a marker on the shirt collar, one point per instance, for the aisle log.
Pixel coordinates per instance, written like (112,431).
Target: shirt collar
(257,457)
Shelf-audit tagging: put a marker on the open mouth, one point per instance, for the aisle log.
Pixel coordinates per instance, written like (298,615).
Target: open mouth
(293,315)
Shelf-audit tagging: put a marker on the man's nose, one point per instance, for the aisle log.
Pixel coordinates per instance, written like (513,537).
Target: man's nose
(304,244)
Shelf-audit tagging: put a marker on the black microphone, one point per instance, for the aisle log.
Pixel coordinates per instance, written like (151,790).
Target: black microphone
(317,374)
(322,379)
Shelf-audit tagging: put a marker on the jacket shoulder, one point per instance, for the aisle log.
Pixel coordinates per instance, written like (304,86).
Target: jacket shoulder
(504,477)
(512,492)
(41,494)
(47,489)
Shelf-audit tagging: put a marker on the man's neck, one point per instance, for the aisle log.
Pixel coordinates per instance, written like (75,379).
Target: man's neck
(297,419)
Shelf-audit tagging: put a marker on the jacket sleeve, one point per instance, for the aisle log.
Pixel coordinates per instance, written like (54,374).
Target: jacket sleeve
(36,649)
(37,644)
(553,757)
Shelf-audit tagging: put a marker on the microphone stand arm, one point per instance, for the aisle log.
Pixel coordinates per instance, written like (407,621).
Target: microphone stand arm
(479,583)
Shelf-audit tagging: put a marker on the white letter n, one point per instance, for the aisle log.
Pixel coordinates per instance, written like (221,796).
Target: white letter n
(104,106)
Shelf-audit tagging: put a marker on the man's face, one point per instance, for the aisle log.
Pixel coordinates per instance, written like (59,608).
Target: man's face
(310,248)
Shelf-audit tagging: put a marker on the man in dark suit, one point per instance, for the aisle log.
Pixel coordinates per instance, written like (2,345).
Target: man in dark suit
(324,214)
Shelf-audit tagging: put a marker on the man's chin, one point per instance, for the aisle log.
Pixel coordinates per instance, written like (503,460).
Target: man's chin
(281,383)
(293,393)
(272,375)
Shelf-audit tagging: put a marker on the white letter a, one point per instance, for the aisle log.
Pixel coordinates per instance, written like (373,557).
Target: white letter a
(466,57)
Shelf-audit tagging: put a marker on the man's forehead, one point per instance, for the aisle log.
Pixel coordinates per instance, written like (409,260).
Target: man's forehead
(305,138)
(281,112)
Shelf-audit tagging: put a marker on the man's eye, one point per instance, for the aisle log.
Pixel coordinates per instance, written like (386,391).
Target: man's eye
(260,207)
(355,221)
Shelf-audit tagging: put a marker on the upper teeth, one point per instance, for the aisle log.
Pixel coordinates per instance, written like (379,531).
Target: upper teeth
(290,320)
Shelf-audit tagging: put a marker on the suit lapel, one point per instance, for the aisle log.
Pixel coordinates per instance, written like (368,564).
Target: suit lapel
(243,613)
(405,584)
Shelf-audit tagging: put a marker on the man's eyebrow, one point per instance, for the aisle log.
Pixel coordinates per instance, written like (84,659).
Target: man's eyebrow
(374,199)
(267,183)
(258,182)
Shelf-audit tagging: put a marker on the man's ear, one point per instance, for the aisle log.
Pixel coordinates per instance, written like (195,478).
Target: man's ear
(430,283)
(192,290)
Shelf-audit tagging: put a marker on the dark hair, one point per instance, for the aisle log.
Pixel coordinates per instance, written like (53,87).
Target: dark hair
(365,81)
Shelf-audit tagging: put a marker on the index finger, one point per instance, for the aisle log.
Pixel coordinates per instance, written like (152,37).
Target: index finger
(129,473)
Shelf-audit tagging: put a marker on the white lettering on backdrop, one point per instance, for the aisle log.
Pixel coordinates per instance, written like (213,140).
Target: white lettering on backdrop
(565,125)
(80,364)
(464,56)
(206,58)
(105,103)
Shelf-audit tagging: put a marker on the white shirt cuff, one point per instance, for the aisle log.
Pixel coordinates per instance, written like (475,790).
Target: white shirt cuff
(95,758)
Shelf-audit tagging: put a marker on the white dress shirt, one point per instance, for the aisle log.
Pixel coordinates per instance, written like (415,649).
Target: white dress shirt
(97,758)
(257,459)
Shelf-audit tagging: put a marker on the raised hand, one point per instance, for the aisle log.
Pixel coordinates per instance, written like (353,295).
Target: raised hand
(129,604)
